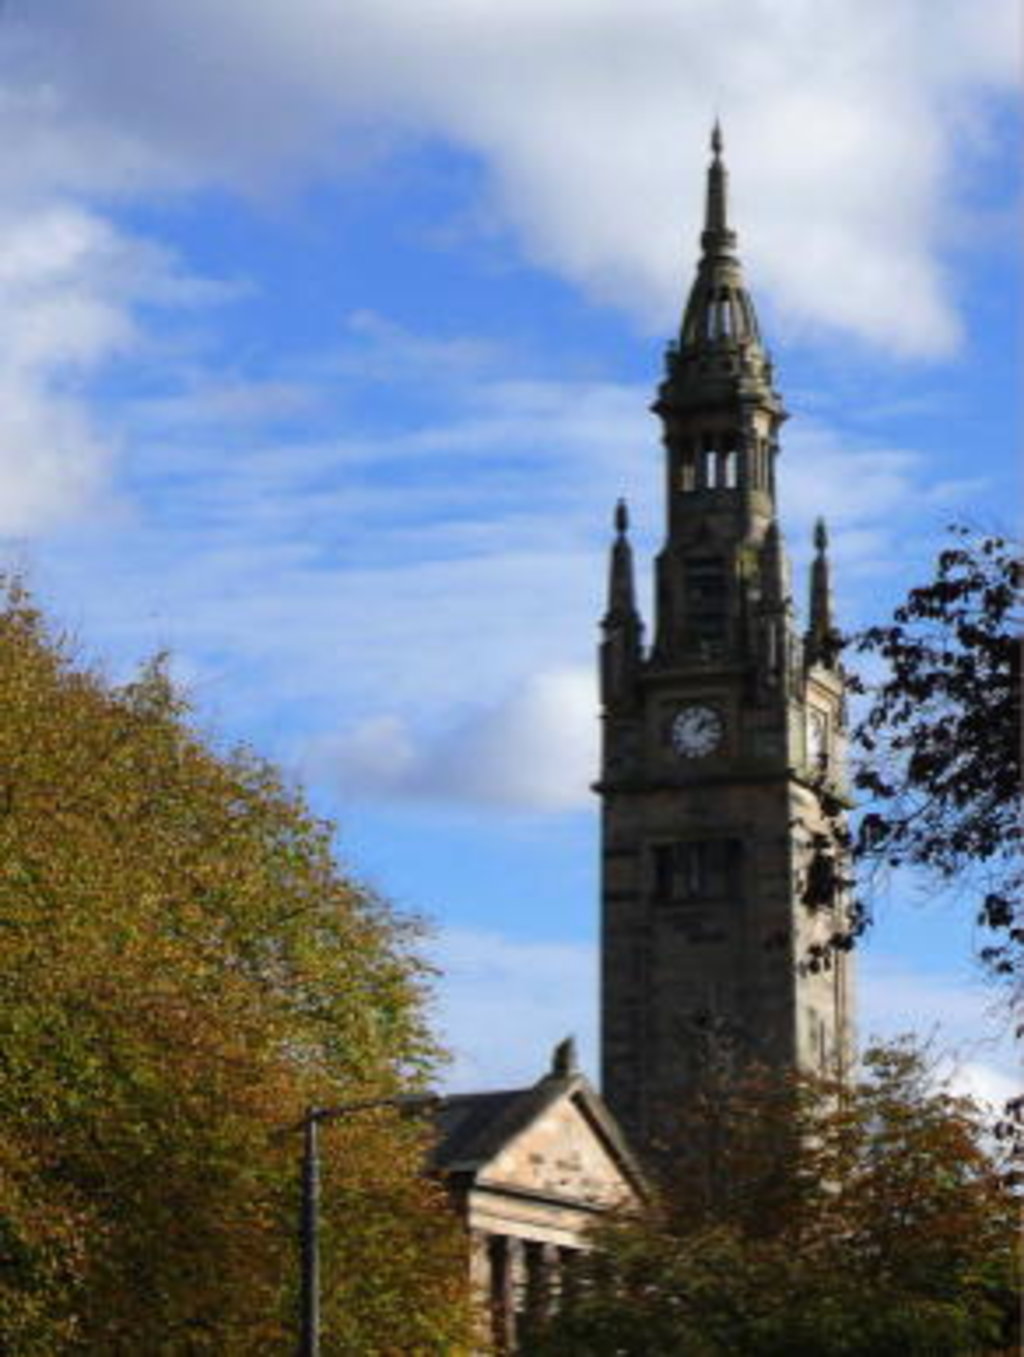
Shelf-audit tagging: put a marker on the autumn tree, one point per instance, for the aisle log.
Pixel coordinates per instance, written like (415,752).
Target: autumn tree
(939,746)
(796,1218)
(183,968)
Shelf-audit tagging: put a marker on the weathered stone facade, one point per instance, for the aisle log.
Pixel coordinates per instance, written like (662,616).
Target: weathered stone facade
(530,1170)
(719,864)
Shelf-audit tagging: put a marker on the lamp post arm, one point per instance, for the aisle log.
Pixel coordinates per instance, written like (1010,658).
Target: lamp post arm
(403,1102)
(309,1225)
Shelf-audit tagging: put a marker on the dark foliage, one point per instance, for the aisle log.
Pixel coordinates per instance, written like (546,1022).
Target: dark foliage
(940,744)
(799,1218)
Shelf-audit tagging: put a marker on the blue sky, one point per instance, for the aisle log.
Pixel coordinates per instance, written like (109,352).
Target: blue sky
(328,336)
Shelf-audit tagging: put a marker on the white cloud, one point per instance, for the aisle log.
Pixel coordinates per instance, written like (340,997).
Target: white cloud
(534,750)
(845,125)
(59,321)
(70,284)
(53,464)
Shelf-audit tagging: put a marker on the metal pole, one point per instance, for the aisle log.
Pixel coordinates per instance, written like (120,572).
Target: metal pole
(309,1343)
(309,1216)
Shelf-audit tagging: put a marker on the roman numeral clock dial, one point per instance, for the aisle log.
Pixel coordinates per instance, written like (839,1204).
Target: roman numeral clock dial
(696,731)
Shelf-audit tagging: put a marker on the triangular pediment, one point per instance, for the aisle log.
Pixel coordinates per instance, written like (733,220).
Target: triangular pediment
(567,1150)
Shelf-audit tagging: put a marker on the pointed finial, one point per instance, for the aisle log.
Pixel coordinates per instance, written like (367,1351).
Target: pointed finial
(717,237)
(822,645)
(621,616)
(563,1059)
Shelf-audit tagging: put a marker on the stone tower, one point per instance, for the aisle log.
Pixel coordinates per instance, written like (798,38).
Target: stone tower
(723,741)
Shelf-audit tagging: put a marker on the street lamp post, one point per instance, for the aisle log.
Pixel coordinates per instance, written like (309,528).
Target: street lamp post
(309,1216)
(309,1242)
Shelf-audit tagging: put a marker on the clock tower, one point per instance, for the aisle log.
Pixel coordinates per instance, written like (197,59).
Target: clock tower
(722,758)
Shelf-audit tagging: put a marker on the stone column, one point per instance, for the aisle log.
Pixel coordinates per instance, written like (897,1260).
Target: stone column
(538,1283)
(502,1293)
(517,1277)
(480,1285)
(568,1276)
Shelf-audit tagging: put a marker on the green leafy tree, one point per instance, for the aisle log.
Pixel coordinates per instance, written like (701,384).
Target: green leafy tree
(183,968)
(940,744)
(799,1219)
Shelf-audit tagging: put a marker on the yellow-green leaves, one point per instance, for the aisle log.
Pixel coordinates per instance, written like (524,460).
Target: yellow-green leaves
(183,967)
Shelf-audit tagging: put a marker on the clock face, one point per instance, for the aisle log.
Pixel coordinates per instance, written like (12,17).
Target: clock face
(696,731)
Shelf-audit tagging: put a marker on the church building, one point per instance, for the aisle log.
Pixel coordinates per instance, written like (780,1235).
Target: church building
(721,788)
(530,1171)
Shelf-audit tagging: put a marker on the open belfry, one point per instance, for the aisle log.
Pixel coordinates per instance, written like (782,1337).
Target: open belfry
(722,765)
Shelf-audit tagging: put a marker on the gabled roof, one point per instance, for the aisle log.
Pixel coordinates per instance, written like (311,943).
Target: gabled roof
(473,1128)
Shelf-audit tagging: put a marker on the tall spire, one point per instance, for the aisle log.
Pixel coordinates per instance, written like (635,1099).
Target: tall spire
(719,340)
(717,238)
(822,636)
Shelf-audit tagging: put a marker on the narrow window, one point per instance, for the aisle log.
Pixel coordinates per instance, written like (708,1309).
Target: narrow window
(726,327)
(710,459)
(729,477)
(664,872)
(697,869)
(690,870)
(705,599)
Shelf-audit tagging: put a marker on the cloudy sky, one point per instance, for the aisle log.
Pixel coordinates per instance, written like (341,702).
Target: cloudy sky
(327,335)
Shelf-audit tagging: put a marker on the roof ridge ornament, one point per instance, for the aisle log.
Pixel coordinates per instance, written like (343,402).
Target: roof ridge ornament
(564,1062)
